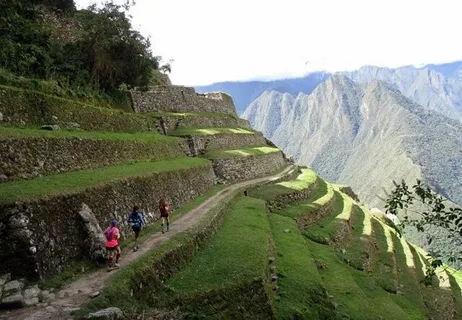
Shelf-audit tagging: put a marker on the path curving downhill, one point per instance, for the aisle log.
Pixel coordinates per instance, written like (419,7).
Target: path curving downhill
(77,293)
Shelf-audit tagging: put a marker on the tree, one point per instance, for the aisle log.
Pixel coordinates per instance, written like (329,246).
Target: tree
(111,51)
(435,211)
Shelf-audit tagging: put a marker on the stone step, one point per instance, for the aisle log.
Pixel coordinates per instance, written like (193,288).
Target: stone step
(45,223)
(29,153)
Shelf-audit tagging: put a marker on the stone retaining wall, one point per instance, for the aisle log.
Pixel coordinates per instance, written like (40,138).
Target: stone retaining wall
(249,167)
(28,157)
(181,99)
(202,143)
(39,238)
(22,107)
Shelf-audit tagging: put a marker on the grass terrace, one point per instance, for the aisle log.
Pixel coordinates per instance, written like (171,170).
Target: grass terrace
(301,294)
(75,181)
(240,152)
(323,194)
(190,114)
(322,231)
(22,132)
(210,131)
(238,252)
(269,192)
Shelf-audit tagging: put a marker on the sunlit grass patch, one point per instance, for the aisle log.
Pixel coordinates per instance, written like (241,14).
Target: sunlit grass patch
(240,152)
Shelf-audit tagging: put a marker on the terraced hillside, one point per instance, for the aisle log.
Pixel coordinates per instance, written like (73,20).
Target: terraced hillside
(107,160)
(275,241)
(295,249)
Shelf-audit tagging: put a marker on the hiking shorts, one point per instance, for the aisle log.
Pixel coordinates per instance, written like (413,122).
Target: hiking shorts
(136,229)
(112,248)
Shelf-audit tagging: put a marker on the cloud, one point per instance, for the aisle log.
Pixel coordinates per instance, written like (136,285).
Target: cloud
(217,40)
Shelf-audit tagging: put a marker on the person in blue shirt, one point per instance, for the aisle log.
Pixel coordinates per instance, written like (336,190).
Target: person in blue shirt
(136,221)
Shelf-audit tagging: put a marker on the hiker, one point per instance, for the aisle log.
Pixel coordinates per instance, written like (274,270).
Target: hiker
(136,221)
(164,214)
(112,245)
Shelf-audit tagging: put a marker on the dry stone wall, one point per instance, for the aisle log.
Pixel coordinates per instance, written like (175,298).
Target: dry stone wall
(244,168)
(35,156)
(39,238)
(202,143)
(22,107)
(181,99)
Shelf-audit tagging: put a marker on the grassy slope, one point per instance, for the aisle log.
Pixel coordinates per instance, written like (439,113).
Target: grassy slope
(303,181)
(323,230)
(139,136)
(240,152)
(356,245)
(79,180)
(301,293)
(238,252)
(320,197)
(356,294)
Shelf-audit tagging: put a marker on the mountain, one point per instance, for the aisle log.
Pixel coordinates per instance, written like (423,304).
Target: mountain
(364,136)
(436,87)
(244,93)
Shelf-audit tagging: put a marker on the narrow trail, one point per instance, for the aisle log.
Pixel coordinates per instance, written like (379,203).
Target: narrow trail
(79,292)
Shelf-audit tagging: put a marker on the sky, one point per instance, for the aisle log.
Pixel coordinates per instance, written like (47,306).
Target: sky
(238,40)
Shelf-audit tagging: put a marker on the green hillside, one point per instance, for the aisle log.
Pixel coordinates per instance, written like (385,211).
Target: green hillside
(300,263)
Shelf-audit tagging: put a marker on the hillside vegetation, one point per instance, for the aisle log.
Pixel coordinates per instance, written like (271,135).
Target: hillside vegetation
(320,257)
(365,136)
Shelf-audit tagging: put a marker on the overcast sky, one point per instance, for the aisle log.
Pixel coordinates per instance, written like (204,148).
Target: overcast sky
(218,40)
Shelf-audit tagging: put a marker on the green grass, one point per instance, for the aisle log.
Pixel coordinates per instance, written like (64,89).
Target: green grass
(355,294)
(383,263)
(68,275)
(191,114)
(76,181)
(355,246)
(301,294)
(209,131)
(238,252)
(323,230)
(269,192)
(32,132)
(408,283)
(175,214)
(240,152)
(322,195)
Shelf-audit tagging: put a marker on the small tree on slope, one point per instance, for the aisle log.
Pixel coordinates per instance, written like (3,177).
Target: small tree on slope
(434,213)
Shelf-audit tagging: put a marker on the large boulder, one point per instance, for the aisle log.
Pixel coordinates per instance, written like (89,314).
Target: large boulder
(95,241)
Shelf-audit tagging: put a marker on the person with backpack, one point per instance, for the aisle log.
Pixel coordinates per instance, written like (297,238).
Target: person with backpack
(136,221)
(112,235)
(164,214)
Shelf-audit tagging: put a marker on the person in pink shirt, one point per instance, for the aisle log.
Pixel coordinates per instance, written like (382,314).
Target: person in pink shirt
(112,235)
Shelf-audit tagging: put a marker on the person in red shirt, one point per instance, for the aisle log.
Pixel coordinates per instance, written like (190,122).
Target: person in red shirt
(112,235)
(164,214)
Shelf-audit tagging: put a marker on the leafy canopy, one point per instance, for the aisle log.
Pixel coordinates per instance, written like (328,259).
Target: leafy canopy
(101,50)
(433,211)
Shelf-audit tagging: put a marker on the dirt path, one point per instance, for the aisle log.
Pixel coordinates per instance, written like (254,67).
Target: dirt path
(79,292)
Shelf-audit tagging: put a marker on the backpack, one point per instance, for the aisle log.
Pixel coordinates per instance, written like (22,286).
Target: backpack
(136,221)
(109,233)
